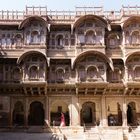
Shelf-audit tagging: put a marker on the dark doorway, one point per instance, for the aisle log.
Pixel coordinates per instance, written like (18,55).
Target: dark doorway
(88,114)
(131,114)
(18,114)
(36,116)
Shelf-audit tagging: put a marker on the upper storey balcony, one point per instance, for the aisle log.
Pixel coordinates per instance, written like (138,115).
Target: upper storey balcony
(30,35)
(90,33)
(31,67)
(131,35)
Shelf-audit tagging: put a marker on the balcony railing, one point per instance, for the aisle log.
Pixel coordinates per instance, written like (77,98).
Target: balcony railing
(88,80)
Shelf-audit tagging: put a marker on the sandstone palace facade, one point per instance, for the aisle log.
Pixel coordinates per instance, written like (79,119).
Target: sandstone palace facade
(84,63)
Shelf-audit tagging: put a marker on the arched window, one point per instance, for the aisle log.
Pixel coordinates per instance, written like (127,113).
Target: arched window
(8,41)
(35,37)
(113,40)
(137,73)
(59,40)
(42,37)
(33,73)
(52,42)
(28,37)
(80,39)
(81,73)
(135,38)
(127,38)
(66,40)
(16,75)
(92,73)
(3,40)
(59,75)
(18,39)
(90,37)
(116,75)
(99,38)
(72,40)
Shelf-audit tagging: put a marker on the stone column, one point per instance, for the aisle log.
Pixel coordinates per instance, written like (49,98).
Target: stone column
(126,74)
(103,112)
(124,113)
(47,112)
(26,112)
(123,41)
(74,111)
(11,114)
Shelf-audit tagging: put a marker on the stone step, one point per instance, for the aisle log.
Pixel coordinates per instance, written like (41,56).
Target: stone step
(134,135)
(35,129)
(105,134)
(76,137)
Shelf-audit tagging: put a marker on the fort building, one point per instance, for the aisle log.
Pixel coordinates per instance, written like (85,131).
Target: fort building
(84,63)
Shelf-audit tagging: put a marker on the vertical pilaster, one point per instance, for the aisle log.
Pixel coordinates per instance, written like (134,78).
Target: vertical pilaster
(123,41)
(74,112)
(26,112)
(124,113)
(47,112)
(11,113)
(126,74)
(103,112)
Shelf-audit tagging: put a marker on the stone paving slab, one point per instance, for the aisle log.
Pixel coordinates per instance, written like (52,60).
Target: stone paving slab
(24,136)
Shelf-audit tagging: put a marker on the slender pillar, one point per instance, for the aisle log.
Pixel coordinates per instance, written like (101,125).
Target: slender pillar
(123,41)
(11,114)
(126,74)
(26,113)
(124,113)
(74,112)
(47,113)
(103,112)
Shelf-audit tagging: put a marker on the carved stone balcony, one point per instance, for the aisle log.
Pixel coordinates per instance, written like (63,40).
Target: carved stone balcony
(115,81)
(90,80)
(93,47)
(61,53)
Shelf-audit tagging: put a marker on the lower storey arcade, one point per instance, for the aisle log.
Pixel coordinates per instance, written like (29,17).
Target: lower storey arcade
(78,110)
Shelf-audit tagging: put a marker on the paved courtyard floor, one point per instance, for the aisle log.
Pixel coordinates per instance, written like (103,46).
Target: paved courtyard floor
(24,136)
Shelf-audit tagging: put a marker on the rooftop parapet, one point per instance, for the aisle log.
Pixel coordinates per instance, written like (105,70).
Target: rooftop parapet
(12,15)
(130,10)
(32,10)
(80,11)
(68,15)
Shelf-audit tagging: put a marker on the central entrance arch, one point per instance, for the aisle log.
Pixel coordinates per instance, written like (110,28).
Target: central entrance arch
(88,113)
(36,115)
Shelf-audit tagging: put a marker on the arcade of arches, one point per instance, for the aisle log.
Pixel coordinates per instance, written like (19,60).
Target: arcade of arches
(83,111)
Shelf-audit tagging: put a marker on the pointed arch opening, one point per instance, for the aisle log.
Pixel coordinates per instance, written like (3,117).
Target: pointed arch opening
(36,114)
(18,114)
(88,113)
(90,37)
(131,114)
